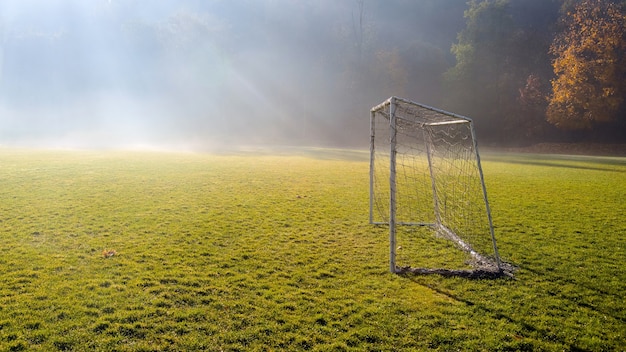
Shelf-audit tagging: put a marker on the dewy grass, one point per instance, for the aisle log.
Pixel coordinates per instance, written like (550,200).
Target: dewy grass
(273,251)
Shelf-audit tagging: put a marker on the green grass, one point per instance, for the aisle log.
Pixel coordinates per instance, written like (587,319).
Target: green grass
(273,251)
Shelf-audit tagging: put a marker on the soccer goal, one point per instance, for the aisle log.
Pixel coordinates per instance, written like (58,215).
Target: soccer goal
(426,184)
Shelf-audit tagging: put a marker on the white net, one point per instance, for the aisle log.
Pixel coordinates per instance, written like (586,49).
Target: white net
(438,186)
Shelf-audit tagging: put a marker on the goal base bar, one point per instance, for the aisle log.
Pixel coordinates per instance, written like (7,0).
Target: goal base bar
(429,224)
(468,274)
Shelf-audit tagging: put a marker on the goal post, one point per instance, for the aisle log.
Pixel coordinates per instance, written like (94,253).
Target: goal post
(425,173)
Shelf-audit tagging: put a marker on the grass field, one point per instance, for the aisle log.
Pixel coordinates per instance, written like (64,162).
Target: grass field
(273,251)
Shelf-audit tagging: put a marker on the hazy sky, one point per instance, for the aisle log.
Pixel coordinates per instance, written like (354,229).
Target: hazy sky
(190,73)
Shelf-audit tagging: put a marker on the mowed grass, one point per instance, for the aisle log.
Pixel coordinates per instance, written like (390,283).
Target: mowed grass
(273,251)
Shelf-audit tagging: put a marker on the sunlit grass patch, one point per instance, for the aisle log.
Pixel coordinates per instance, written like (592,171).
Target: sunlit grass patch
(254,250)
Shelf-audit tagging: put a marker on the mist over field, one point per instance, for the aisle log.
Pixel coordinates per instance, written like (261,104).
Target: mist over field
(188,74)
(198,74)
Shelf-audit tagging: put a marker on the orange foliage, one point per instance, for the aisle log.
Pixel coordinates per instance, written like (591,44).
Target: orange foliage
(590,66)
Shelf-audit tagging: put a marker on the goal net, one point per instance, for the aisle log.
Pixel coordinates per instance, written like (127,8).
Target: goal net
(426,184)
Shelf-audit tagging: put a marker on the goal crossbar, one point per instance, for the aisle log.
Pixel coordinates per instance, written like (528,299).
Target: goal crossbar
(437,115)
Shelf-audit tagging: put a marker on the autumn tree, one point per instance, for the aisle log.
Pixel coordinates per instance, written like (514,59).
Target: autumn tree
(590,66)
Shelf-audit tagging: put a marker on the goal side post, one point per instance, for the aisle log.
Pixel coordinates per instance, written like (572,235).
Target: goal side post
(484,189)
(372,160)
(392,184)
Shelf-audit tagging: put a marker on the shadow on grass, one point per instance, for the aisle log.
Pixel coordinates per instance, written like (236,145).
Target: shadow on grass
(577,300)
(566,166)
(499,315)
(310,152)
(561,161)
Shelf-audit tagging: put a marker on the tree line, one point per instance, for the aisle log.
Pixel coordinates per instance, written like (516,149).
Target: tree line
(530,70)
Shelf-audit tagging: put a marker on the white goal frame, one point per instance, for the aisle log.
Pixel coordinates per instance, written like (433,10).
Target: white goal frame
(416,117)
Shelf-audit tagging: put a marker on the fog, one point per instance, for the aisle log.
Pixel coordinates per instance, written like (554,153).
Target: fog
(205,74)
